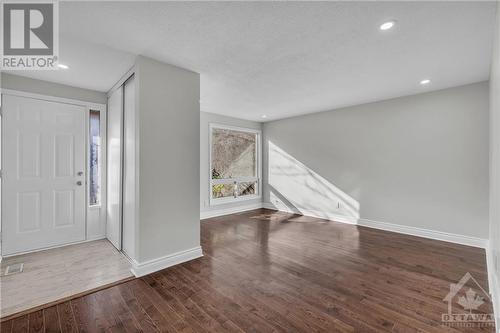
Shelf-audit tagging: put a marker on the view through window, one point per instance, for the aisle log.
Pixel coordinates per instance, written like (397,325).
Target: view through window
(234,164)
(95,158)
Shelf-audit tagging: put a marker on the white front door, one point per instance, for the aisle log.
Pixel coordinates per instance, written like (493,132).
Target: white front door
(43,174)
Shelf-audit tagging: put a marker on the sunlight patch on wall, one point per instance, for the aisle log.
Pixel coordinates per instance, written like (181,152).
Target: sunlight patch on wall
(296,188)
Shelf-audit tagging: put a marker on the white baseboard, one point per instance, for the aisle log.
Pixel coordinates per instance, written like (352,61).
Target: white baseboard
(227,211)
(402,229)
(425,233)
(493,285)
(151,266)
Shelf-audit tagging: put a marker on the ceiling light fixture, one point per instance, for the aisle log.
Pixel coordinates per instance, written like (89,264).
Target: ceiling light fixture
(424,82)
(63,66)
(387,25)
(263,116)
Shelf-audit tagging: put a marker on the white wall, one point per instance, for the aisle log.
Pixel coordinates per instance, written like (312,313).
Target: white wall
(16,82)
(419,161)
(168,138)
(494,249)
(205,119)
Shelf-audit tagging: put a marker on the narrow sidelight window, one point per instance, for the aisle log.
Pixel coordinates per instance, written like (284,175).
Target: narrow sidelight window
(95,158)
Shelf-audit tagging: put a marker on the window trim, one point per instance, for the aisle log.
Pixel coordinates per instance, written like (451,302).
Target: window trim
(258,155)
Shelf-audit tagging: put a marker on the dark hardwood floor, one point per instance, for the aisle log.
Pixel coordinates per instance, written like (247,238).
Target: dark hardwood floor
(265,271)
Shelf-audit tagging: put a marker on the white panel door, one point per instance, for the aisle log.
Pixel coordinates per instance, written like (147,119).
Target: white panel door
(43,174)
(115,126)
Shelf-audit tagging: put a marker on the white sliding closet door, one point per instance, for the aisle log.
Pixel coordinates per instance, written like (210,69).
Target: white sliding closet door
(129,182)
(115,126)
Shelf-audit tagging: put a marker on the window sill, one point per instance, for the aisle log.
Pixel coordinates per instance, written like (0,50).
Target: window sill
(229,200)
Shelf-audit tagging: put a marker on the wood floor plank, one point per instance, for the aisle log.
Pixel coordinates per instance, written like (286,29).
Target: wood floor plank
(208,304)
(139,313)
(51,320)
(121,310)
(6,327)
(66,318)
(163,316)
(175,304)
(183,297)
(103,313)
(82,314)
(36,323)
(265,271)
(20,325)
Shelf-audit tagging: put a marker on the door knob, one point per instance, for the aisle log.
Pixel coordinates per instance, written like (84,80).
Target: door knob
(79,183)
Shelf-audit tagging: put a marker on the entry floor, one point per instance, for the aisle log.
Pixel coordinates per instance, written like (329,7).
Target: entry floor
(51,275)
(264,271)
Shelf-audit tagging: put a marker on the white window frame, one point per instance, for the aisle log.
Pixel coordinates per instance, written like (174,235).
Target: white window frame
(258,157)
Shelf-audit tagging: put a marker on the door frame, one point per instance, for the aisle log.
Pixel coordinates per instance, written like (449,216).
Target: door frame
(103,126)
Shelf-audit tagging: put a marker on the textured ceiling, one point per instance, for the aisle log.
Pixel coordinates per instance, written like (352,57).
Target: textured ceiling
(280,58)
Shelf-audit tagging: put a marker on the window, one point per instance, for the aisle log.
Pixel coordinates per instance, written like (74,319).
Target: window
(95,158)
(234,164)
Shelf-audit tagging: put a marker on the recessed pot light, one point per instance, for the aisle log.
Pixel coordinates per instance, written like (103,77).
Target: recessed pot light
(264,116)
(387,25)
(63,66)
(424,82)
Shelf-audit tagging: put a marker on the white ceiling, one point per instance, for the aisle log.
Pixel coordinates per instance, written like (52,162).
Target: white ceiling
(280,58)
